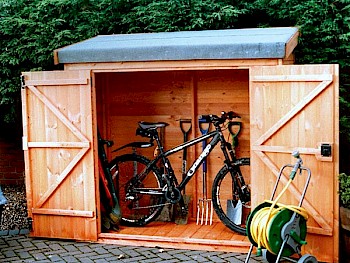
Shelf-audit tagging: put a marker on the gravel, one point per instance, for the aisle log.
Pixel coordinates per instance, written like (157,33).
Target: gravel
(14,214)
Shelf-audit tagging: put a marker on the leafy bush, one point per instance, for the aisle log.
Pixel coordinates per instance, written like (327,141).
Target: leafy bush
(31,29)
(344,190)
(175,15)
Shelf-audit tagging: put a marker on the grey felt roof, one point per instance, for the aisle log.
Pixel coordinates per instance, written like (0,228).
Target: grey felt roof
(186,45)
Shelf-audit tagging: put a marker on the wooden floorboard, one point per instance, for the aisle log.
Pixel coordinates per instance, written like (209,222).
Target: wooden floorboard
(170,235)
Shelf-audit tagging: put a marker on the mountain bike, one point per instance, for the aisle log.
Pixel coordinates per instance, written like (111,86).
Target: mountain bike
(146,186)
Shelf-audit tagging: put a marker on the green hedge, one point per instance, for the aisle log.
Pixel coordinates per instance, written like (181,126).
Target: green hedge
(31,29)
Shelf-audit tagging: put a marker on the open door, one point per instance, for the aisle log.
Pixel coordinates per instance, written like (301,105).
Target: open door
(59,163)
(296,108)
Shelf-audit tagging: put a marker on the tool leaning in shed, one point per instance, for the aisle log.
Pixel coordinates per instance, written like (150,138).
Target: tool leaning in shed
(182,218)
(111,219)
(234,205)
(205,205)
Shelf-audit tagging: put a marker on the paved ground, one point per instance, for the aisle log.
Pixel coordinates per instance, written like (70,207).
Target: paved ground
(20,248)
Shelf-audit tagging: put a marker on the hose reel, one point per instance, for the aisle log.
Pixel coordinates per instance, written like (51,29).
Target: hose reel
(279,230)
(270,227)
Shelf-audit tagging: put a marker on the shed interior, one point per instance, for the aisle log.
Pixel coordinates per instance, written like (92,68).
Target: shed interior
(125,98)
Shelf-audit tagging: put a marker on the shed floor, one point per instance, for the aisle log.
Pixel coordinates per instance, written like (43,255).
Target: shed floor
(215,237)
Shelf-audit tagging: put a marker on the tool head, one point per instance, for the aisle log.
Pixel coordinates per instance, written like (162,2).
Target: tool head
(185,128)
(234,211)
(204,125)
(234,127)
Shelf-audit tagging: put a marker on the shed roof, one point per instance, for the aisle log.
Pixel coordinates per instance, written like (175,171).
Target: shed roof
(253,43)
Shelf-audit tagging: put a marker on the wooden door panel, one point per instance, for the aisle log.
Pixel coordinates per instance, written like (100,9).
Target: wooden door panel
(57,139)
(296,108)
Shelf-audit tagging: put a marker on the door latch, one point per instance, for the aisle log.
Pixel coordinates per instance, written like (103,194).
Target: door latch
(326,150)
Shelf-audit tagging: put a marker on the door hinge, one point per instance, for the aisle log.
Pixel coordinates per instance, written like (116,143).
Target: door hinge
(30,223)
(23,84)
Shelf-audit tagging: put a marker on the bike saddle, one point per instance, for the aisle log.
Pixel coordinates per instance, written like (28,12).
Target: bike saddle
(152,125)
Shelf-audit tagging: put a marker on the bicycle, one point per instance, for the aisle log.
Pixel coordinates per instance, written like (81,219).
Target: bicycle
(144,190)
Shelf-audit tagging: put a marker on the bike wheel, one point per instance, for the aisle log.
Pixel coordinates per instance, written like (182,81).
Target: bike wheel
(138,207)
(230,210)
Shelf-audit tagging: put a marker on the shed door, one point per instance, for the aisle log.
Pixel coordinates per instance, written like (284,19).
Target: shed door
(296,108)
(57,142)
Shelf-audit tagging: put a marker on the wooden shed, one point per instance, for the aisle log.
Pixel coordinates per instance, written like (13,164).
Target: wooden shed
(112,82)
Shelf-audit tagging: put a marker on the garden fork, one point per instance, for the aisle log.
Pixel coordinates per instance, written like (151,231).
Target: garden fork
(205,205)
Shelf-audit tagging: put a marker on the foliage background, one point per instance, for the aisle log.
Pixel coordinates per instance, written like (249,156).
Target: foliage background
(31,29)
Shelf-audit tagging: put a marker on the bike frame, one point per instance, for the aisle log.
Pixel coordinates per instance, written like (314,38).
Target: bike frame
(216,136)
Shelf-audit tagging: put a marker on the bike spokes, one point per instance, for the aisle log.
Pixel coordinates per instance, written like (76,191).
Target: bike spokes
(140,191)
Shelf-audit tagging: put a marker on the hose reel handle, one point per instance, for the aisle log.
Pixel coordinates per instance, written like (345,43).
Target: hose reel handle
(297,165)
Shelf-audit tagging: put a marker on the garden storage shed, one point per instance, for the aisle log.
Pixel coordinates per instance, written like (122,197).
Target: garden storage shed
(112,82)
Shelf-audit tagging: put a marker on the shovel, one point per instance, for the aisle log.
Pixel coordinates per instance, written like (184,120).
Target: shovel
(234,208)
(185,126)
(205,205)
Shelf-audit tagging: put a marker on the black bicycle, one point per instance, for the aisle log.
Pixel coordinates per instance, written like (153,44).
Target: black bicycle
(145,188)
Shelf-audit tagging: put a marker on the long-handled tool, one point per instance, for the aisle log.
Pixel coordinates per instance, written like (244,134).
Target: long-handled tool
(185,126)
(114,210)
(234,207)
(205,205)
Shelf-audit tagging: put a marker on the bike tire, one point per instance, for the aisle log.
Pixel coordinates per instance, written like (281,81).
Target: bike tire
(222,199)
(136,209)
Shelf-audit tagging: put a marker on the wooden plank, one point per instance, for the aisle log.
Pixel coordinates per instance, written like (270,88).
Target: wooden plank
(215,234)
(55,82)
(303,78)
(162,239)
(302,150)
(202,231)
(164,230)
(28,179)
(170,65)
(62,212)
(58,144)
(289,60)
(291,44)
(179,230)
(337,161)
(240,245)
(194,133)
(228,234)
(88,175)
(150,231)
(191,230)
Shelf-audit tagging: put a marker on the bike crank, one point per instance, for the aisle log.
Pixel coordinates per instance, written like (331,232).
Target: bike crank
(173,195)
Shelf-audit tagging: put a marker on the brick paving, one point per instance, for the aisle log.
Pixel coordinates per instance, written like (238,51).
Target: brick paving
(21,248)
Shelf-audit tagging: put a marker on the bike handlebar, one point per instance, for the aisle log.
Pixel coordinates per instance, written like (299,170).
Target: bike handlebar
(216,120)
